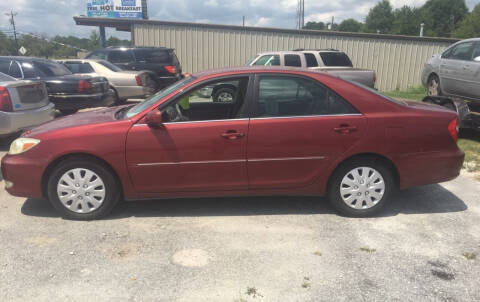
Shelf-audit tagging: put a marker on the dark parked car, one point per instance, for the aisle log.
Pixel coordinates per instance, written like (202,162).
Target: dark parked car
(160,60)
(287,132)
(67,91)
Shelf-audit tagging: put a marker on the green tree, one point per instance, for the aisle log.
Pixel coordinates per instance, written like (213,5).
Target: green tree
(350,25)
(94,41)
(470,26)
(114,41)
(315,25)
(442,16)
(380,18)
(406,21)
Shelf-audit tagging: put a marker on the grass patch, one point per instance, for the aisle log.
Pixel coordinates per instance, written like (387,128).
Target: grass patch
(306,282)
(470,256)
(469,142)
(415,93)
(368,250)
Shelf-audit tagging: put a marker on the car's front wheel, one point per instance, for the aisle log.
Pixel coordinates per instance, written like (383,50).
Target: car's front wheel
(361,188)
(83,189)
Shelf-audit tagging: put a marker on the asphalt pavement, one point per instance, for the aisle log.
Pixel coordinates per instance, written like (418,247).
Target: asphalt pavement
(424,247)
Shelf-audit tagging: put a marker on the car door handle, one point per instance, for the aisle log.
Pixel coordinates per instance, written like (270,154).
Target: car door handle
(232,134)
(345,129)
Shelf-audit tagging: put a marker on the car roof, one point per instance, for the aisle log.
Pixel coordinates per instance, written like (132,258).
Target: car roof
(133,48)
(297,51)
(24,59)
(260,69)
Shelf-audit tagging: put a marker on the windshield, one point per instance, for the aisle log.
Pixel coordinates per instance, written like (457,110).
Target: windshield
(251,60)
(51,69)
(109,65)
(158,96)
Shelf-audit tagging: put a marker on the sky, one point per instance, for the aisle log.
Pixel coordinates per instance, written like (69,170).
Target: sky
(54,17)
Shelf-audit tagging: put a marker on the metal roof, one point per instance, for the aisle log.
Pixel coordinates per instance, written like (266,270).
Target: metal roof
(126,25)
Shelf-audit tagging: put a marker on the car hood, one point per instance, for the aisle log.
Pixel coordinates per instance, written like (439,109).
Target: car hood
(98,116)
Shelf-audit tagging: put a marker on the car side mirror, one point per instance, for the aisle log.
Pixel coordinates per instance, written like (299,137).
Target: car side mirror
(477,59)
(154,119)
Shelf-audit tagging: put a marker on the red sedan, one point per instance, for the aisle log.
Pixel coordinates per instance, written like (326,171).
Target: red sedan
(277,132)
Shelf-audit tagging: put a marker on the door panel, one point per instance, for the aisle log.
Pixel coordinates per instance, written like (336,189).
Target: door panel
(295,151)
(453,69)
(189,156)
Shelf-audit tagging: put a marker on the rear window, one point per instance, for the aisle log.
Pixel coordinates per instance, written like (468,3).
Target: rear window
(51,69)
(293,60)
(109,65)
(156,56)
(97,55)
(77,67)
(6,78)
(335,59)
(268,60)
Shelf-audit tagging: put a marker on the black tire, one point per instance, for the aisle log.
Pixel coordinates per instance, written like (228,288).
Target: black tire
(218,93)
(433,86)
(117,100)
(335,183)
(112,187)
(68,111)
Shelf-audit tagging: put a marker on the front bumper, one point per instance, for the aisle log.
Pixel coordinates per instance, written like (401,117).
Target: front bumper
(11,122)
(77,102)
(25,173)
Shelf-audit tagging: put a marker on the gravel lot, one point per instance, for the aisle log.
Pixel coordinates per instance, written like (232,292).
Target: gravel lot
(246,249)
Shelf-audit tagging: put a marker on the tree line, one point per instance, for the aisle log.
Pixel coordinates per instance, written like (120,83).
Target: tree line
(57,47)
(440,18)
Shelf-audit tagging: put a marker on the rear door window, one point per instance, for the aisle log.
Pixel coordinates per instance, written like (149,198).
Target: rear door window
(29,71)
(280,96)
(15,70)
(51,69)
(268,60)
(335,59)
(121,56)
(311,60)
(293,60)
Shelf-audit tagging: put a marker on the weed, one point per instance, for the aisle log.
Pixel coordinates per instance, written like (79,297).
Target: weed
(318,253)
(306,282)
(368,250)
(470,256)
(252,291)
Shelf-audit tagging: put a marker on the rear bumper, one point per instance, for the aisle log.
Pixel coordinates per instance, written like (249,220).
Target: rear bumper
(69,102)
(429,168)
(11,122)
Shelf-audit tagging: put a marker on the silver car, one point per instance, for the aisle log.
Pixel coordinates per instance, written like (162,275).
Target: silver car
(455,72)
(23,104)
(127,84)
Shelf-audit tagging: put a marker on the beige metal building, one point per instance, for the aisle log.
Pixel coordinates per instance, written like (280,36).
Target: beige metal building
(397,60)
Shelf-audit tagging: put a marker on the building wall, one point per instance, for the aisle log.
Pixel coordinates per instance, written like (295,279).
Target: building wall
(398,61)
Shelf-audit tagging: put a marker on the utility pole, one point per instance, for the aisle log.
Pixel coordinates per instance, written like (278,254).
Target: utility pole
(12,21)
(301,14)
(243,21)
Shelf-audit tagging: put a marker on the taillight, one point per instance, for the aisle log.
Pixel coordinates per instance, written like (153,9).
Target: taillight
(171,68)
(139,80)
(5,101)
(453,129)
(84,86)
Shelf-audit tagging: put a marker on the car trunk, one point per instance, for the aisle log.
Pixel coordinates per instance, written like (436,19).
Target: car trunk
(69,84)
(25,96)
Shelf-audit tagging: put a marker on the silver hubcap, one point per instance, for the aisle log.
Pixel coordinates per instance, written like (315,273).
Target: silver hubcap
(225,97)
(81,190)
(433,87)
(362,188)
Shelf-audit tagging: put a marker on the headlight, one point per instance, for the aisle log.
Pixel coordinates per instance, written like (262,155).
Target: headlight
(22,144)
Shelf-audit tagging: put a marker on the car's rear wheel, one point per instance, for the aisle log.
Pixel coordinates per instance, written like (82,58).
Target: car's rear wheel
(83,189)
(433,86)
(361,188)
